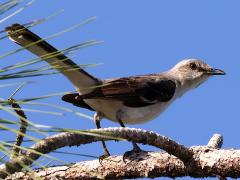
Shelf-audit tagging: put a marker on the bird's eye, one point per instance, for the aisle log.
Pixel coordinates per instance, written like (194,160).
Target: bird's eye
(193,66)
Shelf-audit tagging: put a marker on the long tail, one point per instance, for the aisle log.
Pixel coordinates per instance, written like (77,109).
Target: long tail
(27,39)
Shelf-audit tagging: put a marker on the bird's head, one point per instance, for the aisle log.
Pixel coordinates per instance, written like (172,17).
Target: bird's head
(193,72)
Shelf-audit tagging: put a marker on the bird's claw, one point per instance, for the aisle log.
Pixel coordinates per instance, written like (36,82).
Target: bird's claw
(102,157)
(136,150)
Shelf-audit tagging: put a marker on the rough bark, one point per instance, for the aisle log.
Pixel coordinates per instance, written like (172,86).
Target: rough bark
(198,161)
(208,162)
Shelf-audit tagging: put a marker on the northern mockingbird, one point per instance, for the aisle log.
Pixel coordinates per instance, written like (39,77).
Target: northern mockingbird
(131,100)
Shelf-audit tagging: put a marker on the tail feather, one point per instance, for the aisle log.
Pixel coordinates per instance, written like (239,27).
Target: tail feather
(82,80)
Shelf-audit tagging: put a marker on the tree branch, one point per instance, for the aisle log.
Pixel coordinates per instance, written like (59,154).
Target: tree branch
(84,137)
(199,161)
(22,129)
(211,163)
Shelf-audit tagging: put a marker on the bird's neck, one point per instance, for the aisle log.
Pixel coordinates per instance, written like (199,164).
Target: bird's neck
(182,84)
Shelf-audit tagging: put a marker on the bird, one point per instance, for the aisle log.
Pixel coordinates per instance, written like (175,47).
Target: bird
(125,100)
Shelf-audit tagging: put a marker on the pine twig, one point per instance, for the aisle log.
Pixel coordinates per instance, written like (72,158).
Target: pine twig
(22,129)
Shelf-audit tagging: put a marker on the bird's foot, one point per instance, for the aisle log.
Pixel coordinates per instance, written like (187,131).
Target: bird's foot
(102,157)
(135,151)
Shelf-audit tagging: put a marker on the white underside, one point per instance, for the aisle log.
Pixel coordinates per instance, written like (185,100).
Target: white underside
(129,115)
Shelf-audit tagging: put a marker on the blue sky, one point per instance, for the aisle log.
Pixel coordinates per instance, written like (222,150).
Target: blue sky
(143,37)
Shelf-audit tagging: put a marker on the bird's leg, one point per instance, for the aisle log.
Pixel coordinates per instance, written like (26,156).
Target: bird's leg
(136,148)
(97,118)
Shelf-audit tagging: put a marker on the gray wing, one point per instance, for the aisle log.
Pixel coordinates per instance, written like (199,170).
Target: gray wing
(27,39)
(135,91)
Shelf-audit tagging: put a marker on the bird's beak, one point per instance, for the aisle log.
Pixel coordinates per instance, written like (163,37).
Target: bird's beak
(213,71)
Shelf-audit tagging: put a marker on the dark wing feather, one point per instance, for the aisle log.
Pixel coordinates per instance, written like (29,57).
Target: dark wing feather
(76,101)
(136,91)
